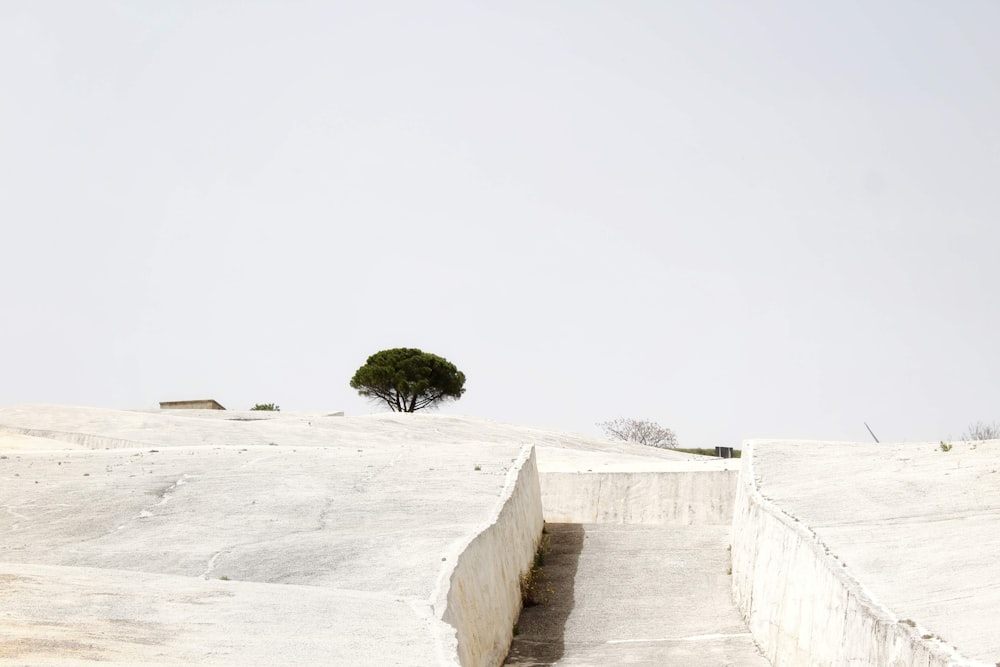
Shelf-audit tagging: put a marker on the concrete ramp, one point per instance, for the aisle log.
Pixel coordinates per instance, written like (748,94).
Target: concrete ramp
(639,563)
(636,595)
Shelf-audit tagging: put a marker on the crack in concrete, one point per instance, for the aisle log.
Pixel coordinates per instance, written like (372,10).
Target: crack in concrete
(213,560)
(360,485)
(19,516)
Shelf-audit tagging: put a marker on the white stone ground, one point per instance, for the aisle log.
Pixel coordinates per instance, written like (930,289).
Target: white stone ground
(912,528)
(238,538)
(220,537)
(629,594)
(639,565)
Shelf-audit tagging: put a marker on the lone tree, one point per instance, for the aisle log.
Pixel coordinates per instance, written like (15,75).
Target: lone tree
(641,431)
(408,379)
(270,407)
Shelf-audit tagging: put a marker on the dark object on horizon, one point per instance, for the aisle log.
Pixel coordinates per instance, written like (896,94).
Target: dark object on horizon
(724,452)
(870,430)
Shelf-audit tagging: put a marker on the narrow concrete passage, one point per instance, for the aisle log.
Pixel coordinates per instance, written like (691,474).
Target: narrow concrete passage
(635,595)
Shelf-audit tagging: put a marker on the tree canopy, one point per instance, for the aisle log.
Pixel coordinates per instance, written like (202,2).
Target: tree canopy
(271,407)
(408,379)
(641,431)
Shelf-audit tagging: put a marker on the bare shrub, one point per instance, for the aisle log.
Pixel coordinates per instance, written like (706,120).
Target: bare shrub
(982,431)
(640,431)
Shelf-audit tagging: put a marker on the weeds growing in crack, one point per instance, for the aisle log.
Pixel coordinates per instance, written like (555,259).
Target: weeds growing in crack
(534,590)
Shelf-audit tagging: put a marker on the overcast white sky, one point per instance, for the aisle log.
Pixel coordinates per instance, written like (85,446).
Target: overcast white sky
(738,219)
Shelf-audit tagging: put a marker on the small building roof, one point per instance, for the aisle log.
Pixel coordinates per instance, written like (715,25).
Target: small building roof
(200,404)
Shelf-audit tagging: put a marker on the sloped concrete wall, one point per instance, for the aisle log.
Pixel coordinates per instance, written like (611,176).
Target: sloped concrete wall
(800,604)
(654,498)
(82,439)
(482,598)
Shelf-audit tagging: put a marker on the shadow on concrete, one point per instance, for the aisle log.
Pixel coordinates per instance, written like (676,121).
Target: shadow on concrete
(541,628)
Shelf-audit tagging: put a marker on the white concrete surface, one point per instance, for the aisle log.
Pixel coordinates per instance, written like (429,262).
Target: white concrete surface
(110,428)
(682,497)
(113,519)
(58,615)
(636,595)
(866,554)
(639,562)
(618,482)
(581,455)
(483,597)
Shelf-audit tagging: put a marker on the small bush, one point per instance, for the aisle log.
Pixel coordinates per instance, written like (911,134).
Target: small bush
(271,407)
(945,447)
(544,549)
(534,590)
(639,431)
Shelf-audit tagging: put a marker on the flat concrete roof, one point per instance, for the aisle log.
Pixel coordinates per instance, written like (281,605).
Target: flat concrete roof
(917,526)
(190,404)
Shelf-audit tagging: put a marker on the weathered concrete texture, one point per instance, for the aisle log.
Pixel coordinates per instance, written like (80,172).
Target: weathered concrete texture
(101,428)
(567,453)
(635,595)
(483,598)
(680,497)
(53,615)
(870,554)
(369,516)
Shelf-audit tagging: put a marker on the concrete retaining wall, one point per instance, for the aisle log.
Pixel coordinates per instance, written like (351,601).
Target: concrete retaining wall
(800,604)
(662,498)
(482,597)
